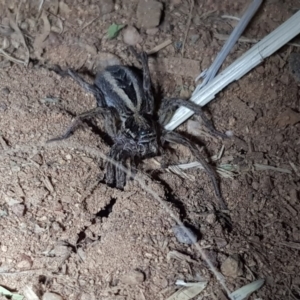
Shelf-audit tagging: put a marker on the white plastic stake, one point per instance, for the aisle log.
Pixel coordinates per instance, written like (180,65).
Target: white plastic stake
(266,47)
(209,74)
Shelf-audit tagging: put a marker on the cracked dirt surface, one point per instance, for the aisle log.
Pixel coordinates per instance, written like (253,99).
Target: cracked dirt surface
(64,231)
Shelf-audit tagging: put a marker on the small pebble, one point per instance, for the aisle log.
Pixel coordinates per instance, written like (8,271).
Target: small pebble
(255,185)
(232,266)
(51,296)
(229,133)
(278,137)
(183,237)
(211,219)
(60,251)
(18,209)
(220,242)
(231,121)
(149,13)
(133,278)
(85,296)
(106,6)
(56,226)
(4,248)
(24,264)
(24,26)
(131,36)
(68,156)
(284,78)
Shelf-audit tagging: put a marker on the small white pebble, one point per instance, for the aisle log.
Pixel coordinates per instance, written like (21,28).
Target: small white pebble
(4,248)
(184,235)
(24,264)
(211,218)
(229,133)
(133,277)
(51,296)
(131,36)
(68,156)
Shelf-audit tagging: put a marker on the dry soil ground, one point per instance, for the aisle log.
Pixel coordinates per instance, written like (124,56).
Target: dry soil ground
(64,231)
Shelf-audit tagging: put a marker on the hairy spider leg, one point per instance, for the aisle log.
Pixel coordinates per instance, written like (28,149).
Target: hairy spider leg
(113,173)
(169,106)
(91,88)
(107,112)
(174,137)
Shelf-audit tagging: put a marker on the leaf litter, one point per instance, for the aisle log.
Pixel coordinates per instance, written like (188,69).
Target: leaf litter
(246,290)
(13,31)
(13,24)
(189,290)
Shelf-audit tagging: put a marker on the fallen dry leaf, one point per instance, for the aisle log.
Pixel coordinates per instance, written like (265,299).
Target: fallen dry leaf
(13,24)
(59,28)
(64,8)
(246,290)
(5,43)
(189,291)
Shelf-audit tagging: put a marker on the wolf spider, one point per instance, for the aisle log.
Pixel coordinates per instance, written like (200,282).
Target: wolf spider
(126,102)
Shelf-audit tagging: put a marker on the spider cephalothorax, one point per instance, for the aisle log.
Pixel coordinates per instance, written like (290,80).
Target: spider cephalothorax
(126,102)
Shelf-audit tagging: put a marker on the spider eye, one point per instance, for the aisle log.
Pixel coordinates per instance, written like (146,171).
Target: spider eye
(144,132)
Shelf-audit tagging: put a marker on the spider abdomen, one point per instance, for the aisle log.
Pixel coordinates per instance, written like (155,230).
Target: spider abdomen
(122,88)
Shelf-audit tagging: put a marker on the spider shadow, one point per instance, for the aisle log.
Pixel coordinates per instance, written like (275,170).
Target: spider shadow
(169,194)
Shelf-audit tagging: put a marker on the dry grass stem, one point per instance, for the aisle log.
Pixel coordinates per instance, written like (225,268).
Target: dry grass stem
(159,47)
(9,57)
